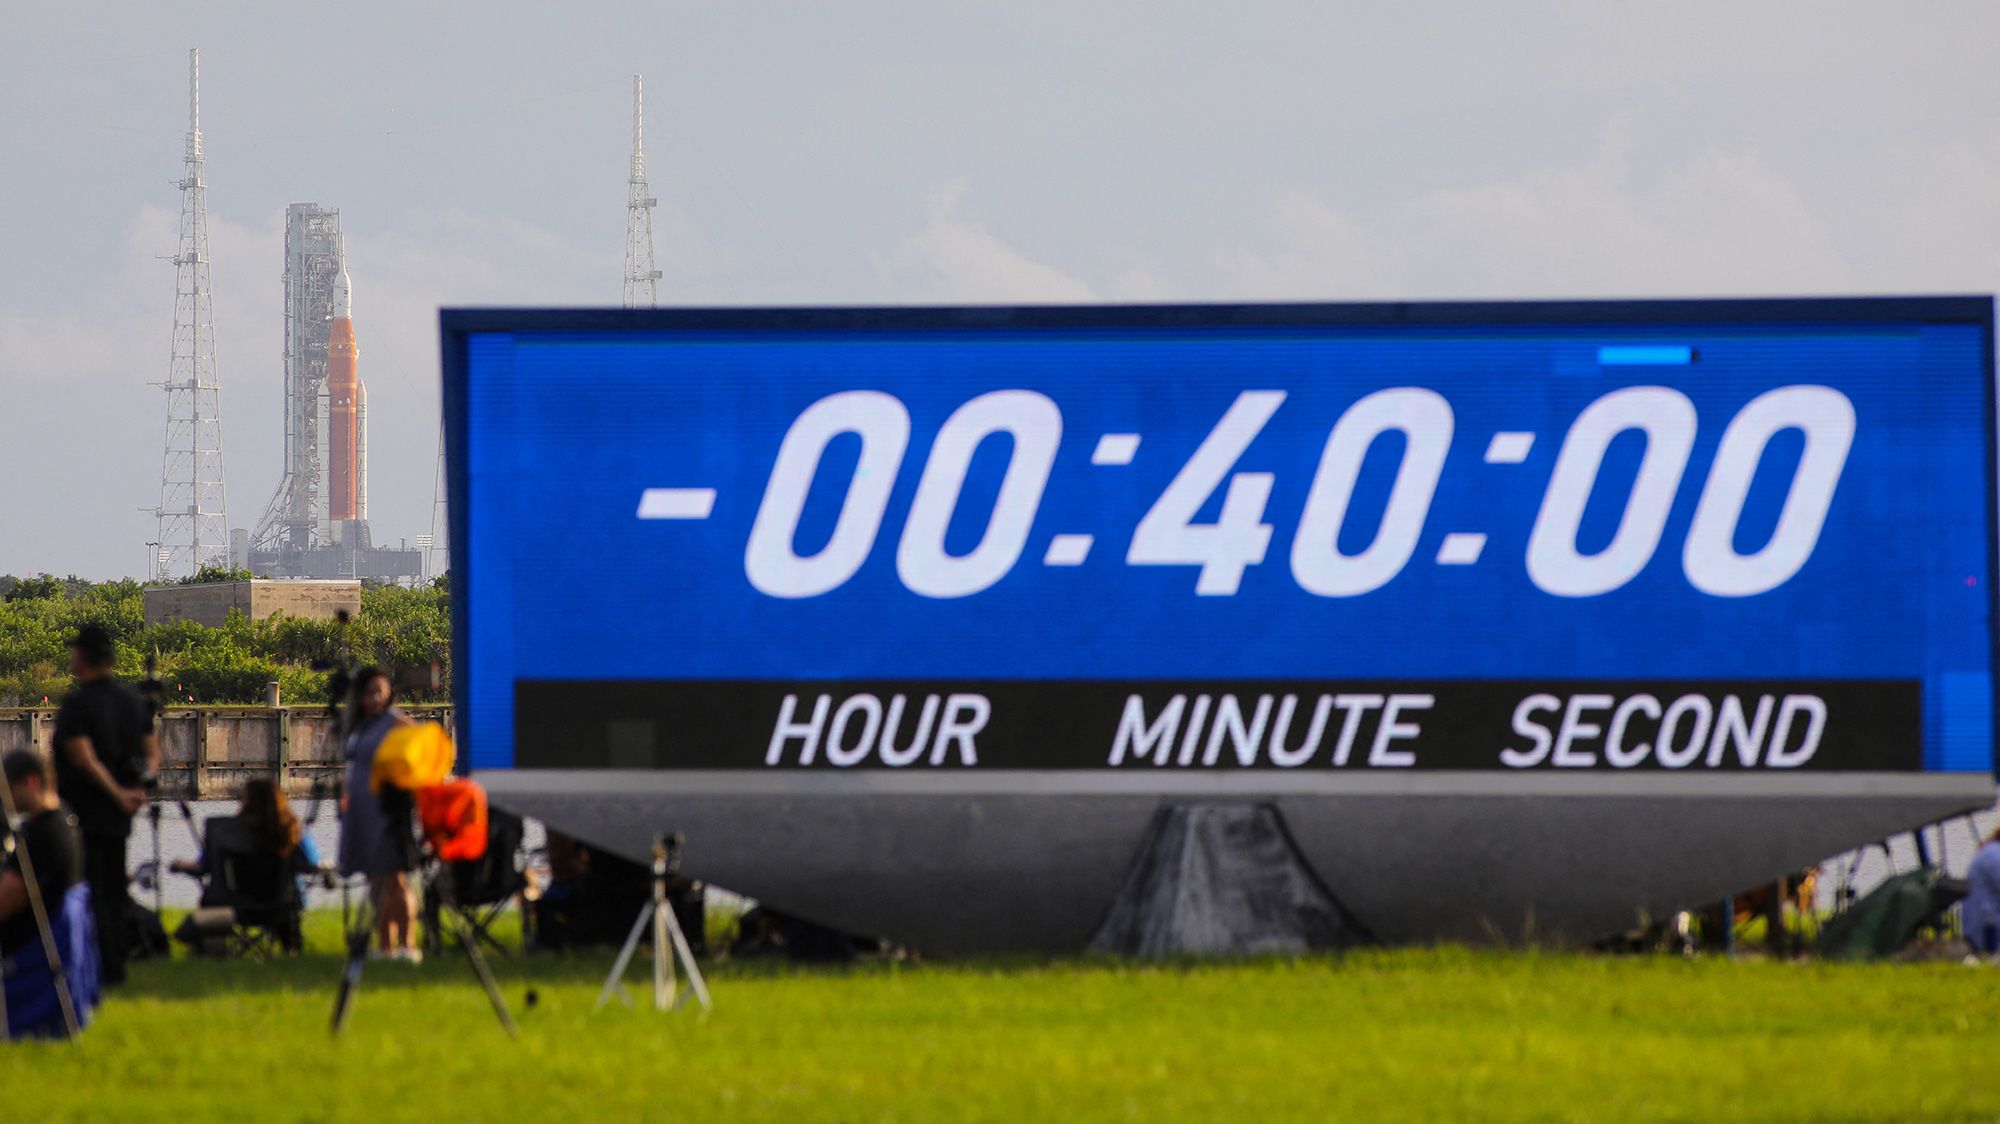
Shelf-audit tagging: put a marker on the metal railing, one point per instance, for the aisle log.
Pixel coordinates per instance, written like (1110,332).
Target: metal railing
(209,751)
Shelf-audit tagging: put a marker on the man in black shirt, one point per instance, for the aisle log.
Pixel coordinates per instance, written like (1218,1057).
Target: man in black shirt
(105,750)
(49,837)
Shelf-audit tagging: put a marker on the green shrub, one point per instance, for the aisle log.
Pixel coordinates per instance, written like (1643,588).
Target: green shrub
(397,629)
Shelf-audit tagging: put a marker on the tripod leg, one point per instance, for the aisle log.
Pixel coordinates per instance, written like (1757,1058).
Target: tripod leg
(350,975)
(431,914)
(486,979)
(695,982)
(159,864)
(664,982)
(611,982)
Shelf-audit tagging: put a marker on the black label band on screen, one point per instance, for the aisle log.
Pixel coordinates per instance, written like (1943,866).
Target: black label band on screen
(1508,726)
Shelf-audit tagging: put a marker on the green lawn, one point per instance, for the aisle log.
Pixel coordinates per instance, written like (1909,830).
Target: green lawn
(1444,1034)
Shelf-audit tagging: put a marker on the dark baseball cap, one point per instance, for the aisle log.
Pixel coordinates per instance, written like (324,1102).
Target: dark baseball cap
(93,643)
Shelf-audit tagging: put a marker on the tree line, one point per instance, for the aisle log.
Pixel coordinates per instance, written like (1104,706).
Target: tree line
(404,630)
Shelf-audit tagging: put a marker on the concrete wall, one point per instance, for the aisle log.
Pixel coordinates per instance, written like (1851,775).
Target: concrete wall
(209,751)
(209,604)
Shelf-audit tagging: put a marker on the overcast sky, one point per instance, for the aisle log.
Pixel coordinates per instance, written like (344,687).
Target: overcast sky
(922,152)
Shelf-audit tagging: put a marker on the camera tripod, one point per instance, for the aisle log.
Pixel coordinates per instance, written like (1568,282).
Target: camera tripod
(668,940)
(361,929)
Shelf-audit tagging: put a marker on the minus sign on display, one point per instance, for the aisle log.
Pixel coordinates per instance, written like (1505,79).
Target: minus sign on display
(1645,355)
(676,503)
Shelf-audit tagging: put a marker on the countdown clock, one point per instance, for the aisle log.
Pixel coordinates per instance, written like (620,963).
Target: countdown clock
(1088,559)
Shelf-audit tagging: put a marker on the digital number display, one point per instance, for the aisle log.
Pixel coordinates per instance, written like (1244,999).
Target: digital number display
(1654,536)
(1170,533)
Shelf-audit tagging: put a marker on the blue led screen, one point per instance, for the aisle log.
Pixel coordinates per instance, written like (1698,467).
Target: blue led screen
(1737,504)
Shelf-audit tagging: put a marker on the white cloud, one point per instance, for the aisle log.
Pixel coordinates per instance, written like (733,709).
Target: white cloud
(1720,223)
(401,278)
(1144,286)
(1944,233)
(84,421)
(953,259)
(1316,252)
(1277,152)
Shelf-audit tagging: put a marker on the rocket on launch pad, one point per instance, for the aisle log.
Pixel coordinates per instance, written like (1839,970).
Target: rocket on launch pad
(344,398)
(316,525)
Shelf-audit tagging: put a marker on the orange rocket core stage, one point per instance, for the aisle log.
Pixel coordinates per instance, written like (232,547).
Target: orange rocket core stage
(343,386)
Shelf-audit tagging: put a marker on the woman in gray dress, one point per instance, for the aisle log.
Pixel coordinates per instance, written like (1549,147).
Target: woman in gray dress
(375,829)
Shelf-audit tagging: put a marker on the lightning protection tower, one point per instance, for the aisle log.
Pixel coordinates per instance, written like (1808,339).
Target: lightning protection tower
(641,279)
(437,554)
(193,521)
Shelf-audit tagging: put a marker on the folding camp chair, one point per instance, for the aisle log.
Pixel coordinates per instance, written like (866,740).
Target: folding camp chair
(260,890)
(477,893)
(452,825)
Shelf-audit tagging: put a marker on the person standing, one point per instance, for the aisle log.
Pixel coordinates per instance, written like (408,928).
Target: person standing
(375,829)
(105,750)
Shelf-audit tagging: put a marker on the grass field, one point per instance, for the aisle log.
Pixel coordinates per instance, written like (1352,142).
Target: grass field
(1439,1034)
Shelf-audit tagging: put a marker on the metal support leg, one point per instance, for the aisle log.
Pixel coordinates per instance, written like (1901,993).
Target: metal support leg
(665,983)
(486,979)
(611,982)
(357,933)
(669,943)
(695,983)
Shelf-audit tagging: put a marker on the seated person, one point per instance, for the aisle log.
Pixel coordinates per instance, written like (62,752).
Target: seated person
(1981,911)
(54,846)
(269,823)
(591,898)
(50,843)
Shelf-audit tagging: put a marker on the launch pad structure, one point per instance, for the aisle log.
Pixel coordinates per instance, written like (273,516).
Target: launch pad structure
(316,524)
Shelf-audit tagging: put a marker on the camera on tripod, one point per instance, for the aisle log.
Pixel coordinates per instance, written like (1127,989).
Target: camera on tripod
(153,694)
(341,669)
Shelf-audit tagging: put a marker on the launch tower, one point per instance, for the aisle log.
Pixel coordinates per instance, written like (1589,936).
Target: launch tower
(313,263)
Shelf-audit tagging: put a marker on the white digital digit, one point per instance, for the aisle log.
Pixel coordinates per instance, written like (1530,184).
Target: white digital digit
(770,561)
(1169,536)
(1035,424)
(1667,419)
(1426,422)
(1826,418)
